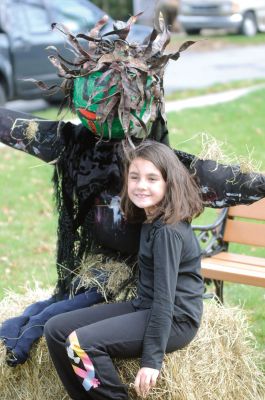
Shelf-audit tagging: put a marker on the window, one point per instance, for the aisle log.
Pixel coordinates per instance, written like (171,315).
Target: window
(76,15)
(36,18)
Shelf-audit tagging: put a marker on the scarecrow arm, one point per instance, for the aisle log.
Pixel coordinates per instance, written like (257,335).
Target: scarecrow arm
(32,135)
(221,185)
(224,185)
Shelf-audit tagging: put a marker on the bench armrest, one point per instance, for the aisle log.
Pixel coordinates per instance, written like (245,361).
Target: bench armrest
(211,236)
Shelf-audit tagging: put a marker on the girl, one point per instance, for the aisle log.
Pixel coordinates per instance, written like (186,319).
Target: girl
(166,314)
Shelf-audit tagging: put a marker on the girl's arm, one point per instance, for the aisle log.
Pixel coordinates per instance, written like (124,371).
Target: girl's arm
(166,266)
(38,137)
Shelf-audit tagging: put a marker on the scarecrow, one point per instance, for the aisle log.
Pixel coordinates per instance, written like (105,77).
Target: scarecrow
(116,89)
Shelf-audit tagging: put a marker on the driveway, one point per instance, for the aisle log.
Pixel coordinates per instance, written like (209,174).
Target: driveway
(202,69)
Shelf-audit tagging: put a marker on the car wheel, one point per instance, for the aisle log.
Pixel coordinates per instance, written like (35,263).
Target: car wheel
(249,25)
(193,31)
(2,95)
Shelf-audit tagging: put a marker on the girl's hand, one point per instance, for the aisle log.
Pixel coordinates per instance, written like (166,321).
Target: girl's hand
(145,380)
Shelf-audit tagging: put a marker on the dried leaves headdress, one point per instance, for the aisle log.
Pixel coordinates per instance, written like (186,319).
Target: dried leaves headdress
(135,70)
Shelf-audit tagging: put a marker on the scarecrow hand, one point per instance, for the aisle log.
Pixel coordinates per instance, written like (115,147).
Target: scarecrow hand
(32,135)
(145,380)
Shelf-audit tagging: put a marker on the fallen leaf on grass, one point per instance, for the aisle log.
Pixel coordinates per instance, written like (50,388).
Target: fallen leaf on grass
(42,249)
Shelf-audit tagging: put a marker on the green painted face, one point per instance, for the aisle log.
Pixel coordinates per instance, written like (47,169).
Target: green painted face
(86,98)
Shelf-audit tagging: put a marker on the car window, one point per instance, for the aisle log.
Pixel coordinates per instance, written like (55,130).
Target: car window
(36,18)
(24,17)
(2,17)
(76,15)
(7,18)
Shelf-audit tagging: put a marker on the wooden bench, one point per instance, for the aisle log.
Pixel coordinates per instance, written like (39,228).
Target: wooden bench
(218,263)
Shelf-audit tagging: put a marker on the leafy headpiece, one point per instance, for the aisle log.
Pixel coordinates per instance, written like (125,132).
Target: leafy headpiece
(115,86)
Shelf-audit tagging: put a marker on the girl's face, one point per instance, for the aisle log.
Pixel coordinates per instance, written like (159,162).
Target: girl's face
(146,185)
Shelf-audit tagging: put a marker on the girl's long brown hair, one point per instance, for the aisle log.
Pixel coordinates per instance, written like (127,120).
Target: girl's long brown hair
(182,200)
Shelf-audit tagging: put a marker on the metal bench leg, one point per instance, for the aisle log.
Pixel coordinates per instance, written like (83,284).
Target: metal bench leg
(219,290)
(206,294)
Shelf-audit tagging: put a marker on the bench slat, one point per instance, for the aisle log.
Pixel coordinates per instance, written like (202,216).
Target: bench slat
(244,233)
(239,268)
(231,264)
(240,258)
(226,273)
(255,211)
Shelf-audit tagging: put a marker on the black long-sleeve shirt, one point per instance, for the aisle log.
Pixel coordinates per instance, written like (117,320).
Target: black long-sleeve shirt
(170,284)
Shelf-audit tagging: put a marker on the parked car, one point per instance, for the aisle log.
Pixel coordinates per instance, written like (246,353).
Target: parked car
(243,16)
(25,32)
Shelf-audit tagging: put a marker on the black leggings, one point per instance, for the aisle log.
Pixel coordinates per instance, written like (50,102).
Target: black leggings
(82,343)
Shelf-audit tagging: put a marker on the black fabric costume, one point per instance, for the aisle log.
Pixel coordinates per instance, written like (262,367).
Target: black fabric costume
(164,317)
(88,175)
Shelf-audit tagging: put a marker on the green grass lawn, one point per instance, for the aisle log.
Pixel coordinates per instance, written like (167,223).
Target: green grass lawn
(216,88)
(239,125)
(215,40)
(240,40)
(28,222)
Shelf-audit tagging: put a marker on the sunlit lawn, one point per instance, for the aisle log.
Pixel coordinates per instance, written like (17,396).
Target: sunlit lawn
(27,222)
(216,39)
(216,88)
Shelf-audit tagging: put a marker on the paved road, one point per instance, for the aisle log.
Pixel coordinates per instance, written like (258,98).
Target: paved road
(202,69)
(197,69)
(27,106)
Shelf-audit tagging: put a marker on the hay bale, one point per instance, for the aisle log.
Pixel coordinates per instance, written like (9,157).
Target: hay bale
(36,379)
(221,363)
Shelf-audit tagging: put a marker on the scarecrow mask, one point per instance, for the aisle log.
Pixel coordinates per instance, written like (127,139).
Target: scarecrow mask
(96,104)
(114,86)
